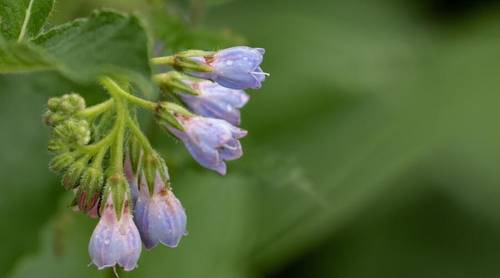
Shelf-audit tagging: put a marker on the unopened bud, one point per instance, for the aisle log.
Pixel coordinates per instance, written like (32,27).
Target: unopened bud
(71,103)
(90,189)
(53,103)
(71,178)
(73,131)
(61,162)
(51,118)
(57,146)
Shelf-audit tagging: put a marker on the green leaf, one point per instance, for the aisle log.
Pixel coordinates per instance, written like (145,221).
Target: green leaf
(21,19)
(22,57)
(106,42)
(28,200)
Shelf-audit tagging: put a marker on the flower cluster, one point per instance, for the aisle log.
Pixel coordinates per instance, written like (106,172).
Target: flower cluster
(114,171)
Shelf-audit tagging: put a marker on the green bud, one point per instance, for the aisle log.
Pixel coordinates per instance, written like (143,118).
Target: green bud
(63,108)
(57,146)
(71,178)
(90,185)
(71,103)
(61,162)
(51,118)
(53,103)
(73,131)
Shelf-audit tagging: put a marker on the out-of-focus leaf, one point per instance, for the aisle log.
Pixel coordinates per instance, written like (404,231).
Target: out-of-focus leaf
(21,19)
(21,57)
(400,113)
(106,42)
(29,190)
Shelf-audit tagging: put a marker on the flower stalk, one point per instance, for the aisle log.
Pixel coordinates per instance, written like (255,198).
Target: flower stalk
(114,170)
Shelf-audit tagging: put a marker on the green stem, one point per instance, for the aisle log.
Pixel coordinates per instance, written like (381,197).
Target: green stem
(136,130)
(117,92)
(167,60)
(97,163)
(93,111)
(117,147)
(103,143)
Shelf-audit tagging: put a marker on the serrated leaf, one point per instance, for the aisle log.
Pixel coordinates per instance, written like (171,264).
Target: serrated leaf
(22,57)
(22,19)
(106,42)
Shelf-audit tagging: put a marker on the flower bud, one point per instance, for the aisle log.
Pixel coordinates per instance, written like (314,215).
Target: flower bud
(215,101)
(61,162)
(115,240)
(71,103)
(71,178)
(159,216)
(57,146)
(235,67)
(63,108)
(53,103)
(54,118)
(73,131)
(89,191)
(211,142)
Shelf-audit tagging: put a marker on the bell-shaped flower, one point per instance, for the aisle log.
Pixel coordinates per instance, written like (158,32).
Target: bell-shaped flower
(159,216)
(215,101)
(115,241)
(210,141)
(236,67)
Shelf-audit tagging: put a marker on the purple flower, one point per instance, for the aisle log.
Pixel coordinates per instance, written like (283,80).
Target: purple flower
(115,241)
(132,179)
(236,67)
(215,101)
(210,141)
(160,217)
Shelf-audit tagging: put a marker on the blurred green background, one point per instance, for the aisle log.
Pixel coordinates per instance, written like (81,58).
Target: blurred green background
(373,148)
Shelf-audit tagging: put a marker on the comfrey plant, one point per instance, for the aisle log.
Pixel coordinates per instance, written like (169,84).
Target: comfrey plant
(114,171)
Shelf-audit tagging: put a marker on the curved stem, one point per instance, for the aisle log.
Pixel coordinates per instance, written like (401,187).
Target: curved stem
(116,91)
(93,111)
(103,143)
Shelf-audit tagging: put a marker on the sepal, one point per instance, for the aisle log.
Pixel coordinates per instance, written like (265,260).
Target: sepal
(117,188)
(155,167)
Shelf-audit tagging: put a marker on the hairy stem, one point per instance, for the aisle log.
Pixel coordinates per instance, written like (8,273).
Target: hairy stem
(117,92)
(94,111)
